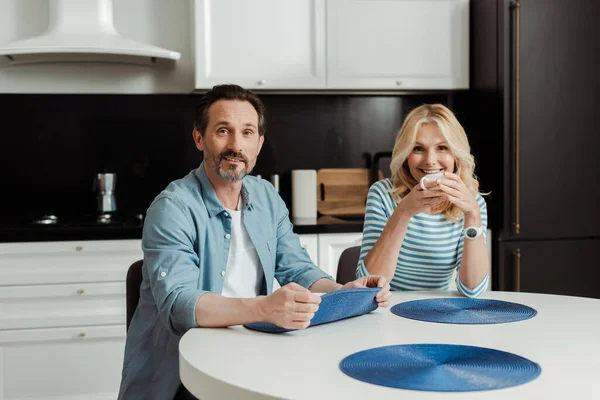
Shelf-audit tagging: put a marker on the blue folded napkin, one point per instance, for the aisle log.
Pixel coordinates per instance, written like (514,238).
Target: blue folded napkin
(463,311)
(336,305)
(439,367)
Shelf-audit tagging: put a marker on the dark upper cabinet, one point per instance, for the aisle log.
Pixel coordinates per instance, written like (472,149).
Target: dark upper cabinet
(566,267)
(535,85)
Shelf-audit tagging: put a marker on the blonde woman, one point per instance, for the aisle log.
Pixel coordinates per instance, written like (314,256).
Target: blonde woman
(417,238)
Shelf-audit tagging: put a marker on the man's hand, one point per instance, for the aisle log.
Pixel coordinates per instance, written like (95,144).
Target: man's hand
(382,297)
(290,307)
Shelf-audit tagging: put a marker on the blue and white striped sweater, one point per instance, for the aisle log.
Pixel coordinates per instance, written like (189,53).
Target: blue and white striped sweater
(431,250)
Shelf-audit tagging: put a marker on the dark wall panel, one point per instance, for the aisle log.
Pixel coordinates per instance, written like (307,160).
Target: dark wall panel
(53,145)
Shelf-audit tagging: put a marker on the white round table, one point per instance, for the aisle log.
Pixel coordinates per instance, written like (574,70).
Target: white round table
(237,363)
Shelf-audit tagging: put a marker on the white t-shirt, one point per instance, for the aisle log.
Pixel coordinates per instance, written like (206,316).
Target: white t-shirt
(244,274)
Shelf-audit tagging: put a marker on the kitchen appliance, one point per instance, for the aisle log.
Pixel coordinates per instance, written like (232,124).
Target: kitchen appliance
(105,185)
(83,31)
(530,115)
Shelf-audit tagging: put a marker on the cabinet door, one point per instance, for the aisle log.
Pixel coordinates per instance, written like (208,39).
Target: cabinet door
(398,44)
(62,363)
(567,267)
(67,262)
(553,185)
(331,246)
(260,44)
(46,306)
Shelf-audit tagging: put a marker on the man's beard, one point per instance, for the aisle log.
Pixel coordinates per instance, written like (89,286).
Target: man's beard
(231,174)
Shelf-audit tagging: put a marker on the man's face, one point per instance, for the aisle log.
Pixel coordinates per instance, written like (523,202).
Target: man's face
(231,142)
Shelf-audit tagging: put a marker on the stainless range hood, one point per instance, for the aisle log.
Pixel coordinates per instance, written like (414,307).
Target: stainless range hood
(83,31)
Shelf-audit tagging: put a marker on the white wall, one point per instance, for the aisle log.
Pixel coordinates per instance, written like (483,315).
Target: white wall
(163,23)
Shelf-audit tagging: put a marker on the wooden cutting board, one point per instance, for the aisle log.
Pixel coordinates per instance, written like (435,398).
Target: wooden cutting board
(343,191)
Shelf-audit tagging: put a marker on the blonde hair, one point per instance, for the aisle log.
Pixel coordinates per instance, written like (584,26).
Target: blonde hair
(464,162)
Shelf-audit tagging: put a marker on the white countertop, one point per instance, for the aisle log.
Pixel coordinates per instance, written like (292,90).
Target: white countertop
(236,363)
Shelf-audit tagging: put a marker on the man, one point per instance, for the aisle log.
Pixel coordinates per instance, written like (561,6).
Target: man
(213,242)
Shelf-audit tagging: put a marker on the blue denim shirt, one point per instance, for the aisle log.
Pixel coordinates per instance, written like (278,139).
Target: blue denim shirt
(186,241)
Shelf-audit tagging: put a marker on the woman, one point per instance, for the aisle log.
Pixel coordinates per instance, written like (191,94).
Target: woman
(416,237)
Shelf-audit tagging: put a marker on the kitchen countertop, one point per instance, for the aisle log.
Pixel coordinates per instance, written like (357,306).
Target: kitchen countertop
(133,230)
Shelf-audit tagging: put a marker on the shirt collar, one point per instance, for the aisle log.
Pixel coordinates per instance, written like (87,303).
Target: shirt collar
(213,205)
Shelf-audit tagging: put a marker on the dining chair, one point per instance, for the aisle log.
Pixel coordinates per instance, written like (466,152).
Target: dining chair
(132,288)
(346,271)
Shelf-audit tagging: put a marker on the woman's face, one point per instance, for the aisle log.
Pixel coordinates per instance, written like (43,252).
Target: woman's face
(430,154)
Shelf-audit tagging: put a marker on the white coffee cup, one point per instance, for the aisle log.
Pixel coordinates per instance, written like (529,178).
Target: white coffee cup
(431,178)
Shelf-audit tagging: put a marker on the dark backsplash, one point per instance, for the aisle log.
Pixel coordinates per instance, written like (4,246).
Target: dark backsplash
(54,145)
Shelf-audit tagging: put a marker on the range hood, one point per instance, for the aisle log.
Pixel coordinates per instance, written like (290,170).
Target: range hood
(83,31)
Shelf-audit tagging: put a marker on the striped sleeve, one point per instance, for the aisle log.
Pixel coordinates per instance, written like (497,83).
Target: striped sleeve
(378,210)
(481,287)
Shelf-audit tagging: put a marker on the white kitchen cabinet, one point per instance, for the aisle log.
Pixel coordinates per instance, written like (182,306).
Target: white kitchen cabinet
(398,44)
(45,306)
(75,363)
(260,44)
(67,262)
(331,246)
(62,318)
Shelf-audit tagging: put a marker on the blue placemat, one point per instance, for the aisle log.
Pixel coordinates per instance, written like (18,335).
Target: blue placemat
(464,311)
(340,304)
(440,367)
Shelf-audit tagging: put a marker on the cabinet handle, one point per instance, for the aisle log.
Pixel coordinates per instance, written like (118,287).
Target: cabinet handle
(78,248)
(80,291)
(262,82)
(398,83)
(81,334)
(516,8)
(517,269)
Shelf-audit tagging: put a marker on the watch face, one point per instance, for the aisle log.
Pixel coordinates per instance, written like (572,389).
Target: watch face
(471,232)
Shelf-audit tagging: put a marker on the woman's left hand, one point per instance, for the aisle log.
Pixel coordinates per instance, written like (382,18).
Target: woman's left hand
(458,193)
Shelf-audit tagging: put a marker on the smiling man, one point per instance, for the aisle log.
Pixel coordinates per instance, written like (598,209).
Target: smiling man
(213,242)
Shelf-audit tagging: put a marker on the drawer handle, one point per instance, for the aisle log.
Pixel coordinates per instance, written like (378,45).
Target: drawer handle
(80,291)
(78,248)
(81,334)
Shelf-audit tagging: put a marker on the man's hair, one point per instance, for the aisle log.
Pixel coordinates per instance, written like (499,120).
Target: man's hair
(228,92)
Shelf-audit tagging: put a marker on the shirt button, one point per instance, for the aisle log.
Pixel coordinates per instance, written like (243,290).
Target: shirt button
(226,214)
(163,274)
(222,273)
(227,236)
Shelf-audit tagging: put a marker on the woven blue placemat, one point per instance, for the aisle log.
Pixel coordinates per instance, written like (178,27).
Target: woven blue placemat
(464,311)
(440,367)
(340,304)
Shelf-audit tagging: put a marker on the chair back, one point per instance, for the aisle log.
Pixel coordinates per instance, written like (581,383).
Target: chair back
(132,288)
(346,271)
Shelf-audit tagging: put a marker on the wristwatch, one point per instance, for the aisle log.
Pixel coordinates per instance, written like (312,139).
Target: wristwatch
(472,232)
